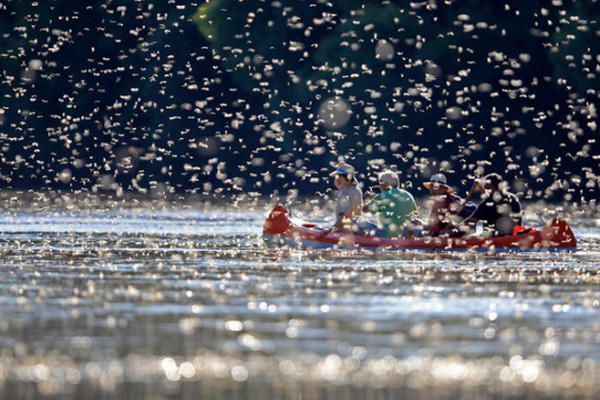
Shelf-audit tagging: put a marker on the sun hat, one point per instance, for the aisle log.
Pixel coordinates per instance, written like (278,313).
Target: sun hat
(438,180)
(344,169)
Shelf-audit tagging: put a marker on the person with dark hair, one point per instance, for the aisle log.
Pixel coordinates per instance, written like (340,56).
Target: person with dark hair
(350,199)
(499,209)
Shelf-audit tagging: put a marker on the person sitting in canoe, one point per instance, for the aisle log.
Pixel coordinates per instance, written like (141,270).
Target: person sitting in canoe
(394,206)
(447,206)
(350,199)
(499,209)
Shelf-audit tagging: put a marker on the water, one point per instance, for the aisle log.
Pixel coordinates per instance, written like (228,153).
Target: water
(141,299)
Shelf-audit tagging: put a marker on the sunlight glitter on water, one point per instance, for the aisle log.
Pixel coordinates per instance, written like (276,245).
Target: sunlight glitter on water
(188,300)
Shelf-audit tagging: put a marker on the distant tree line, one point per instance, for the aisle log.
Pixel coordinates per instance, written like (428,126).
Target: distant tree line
(262,96)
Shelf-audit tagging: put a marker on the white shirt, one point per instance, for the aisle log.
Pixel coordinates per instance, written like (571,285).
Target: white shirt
(349,202)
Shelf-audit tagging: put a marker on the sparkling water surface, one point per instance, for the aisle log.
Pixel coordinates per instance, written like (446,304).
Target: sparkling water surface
(184,301)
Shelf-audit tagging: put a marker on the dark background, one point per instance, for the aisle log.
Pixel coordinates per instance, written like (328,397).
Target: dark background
(265,97)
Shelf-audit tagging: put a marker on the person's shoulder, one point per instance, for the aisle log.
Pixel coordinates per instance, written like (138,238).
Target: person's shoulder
(352,192)
(515,203)
(383,198)
(379,196)
(402,192)
(512,197)
(355,189)
(397,191)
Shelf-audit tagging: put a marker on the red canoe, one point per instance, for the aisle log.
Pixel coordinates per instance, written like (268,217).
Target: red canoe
(283,230)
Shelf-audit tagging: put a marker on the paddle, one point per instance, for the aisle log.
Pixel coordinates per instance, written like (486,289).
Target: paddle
(476,185)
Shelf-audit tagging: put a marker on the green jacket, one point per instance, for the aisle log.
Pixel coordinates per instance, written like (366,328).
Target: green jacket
(394,207)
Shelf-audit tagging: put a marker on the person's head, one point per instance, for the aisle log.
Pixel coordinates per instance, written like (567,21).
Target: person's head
(492,182)
(345,175)
(388,180)
(438,185)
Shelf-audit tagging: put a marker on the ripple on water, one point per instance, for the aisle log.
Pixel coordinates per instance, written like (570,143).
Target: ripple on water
(189,301)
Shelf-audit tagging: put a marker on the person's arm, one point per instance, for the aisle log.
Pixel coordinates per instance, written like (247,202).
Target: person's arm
(337,225)
(371,206)
(467,224)
(474,218)
(433,219)
(463,226)
(368,197)
(343,211)
(414,214)
(516,209)
(339,222)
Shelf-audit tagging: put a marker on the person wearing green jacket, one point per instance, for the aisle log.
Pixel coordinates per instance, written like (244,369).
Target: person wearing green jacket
(394,206)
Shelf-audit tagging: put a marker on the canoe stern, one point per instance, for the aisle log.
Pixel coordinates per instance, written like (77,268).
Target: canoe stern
(278,221)
(559,234)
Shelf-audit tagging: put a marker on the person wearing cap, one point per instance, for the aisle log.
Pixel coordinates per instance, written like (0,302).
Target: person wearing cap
(350,199)
(499,209)
(447,207)
(394,206)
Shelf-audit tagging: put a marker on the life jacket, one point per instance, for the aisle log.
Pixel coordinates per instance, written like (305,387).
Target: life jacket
(520,230)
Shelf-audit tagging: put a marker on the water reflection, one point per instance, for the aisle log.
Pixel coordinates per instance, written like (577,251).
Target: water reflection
(183,301)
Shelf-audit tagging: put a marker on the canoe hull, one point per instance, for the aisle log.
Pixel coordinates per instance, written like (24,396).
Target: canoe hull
(281,230)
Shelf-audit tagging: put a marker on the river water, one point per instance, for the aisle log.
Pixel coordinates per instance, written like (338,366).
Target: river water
(142,299)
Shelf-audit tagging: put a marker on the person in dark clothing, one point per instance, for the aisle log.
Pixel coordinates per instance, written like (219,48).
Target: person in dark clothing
(499,209)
